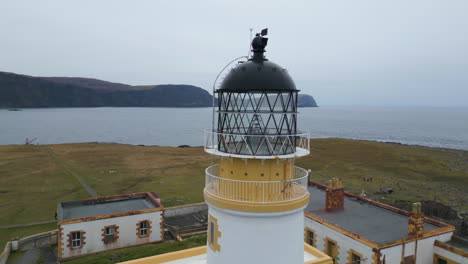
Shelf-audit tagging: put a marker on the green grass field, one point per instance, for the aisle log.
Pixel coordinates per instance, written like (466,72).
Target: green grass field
(414,173)
(7,234)
(35,178)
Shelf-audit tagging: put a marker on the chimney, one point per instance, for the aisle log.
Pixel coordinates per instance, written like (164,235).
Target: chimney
(416,221)
(335,194)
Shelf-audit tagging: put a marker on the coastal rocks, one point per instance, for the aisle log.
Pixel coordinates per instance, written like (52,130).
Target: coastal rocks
(385,190)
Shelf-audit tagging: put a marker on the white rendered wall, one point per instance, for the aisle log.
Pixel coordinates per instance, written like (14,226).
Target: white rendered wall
(252,238)
(127,233)
(343,242)
(450,255)
(425,251)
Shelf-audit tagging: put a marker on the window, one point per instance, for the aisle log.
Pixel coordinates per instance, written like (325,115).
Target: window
(331,249)
(409,260)
(76,239)
(309,237)
(110,234)
(213,233)
(354,257)
(441,261)
(144,228)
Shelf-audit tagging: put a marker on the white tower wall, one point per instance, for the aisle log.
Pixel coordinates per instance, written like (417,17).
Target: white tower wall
(252,238)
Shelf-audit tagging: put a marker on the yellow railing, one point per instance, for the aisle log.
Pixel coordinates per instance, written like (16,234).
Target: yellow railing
(257,191)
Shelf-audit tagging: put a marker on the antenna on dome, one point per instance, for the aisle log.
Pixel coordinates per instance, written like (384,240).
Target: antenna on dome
(250,43)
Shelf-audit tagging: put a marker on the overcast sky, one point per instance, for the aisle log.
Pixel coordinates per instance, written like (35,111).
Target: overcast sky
(359,52)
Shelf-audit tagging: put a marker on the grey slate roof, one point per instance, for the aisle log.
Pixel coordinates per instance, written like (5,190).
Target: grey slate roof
(370,221)
(102,206)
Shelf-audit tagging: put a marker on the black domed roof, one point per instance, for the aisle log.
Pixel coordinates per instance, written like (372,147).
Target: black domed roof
(258,74)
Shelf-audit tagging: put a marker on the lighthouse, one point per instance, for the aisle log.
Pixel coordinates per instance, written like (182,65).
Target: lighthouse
(255,193)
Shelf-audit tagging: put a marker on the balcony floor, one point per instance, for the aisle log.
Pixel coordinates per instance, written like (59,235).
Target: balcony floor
(300,152)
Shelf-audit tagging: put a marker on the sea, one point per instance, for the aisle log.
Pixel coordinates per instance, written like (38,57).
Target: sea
(426,126)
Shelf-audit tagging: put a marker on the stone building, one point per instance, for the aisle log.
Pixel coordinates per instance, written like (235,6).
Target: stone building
(107,223)
(353,229)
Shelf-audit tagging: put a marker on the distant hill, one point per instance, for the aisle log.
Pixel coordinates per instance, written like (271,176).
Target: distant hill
(89,83)
(27,91)
(23,91)
(306,100)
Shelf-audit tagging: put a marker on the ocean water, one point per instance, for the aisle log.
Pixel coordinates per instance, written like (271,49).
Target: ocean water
(434,127)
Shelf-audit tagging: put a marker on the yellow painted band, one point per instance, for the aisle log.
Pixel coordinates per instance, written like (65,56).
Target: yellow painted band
(177,255)
(322,258)
(256,207)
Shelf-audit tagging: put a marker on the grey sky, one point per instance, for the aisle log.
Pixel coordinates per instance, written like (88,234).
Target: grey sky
(359,52)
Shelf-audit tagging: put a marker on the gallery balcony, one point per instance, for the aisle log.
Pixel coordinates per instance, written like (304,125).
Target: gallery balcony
(262,192)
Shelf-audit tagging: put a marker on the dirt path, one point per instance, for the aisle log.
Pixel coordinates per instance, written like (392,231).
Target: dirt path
(49,255)
(60,162)
(33,256)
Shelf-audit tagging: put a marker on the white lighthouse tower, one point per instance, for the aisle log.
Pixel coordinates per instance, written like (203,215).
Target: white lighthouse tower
(255,194)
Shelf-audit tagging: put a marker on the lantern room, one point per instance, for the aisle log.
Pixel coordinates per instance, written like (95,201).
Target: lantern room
(257,108)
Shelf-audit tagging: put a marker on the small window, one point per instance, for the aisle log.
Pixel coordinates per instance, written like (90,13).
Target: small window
(355,259)
(310,237)
(213,233)
(110,234)
(76,239)
(143,228)
(331,249)
(409,260)
(441,261)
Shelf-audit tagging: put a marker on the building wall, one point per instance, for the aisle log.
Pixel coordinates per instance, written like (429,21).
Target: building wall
(392,254)
(449,256)
(344,243)
(127,233)
(425,251)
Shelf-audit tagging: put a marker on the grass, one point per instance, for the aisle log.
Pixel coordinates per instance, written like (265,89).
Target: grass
(15,256)
(414,173)
(8,234)
(41,259)
(126,254)
(176,174)
(35,178)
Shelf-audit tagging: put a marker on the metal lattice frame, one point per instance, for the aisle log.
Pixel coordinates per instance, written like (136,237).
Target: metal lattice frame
(257,123)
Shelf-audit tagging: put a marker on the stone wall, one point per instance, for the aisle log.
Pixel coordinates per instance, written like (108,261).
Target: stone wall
(5,253)
(185,209)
